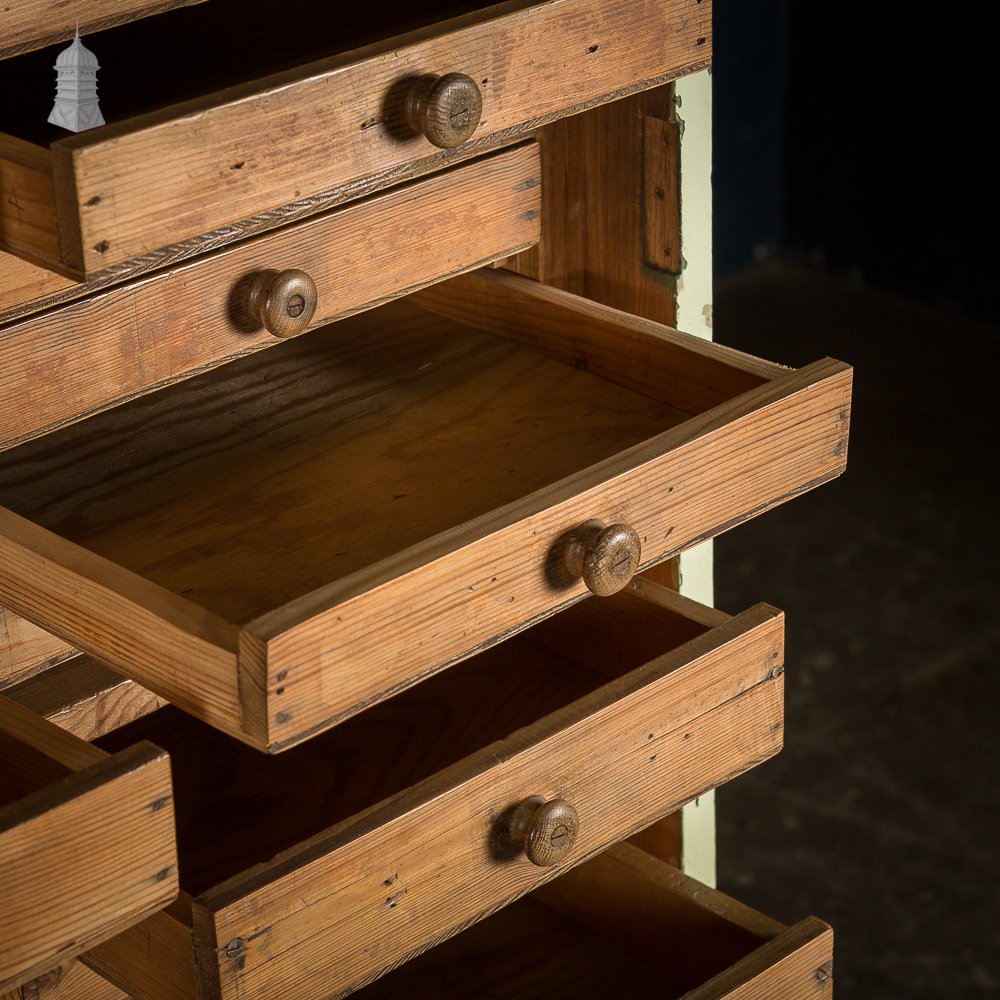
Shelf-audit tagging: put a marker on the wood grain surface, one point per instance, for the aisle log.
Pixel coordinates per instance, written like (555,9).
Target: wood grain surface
(84,697)
(70,981)
(152,958)
(87,843)
(23,284)
(719,948)
(610,208)
(26,649)
(621,924)
(76,360)
(155,177)
(27,202)
(306,911)
(611,232)
(247,540)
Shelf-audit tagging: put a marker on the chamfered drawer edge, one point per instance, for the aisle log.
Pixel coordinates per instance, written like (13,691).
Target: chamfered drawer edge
(87,842)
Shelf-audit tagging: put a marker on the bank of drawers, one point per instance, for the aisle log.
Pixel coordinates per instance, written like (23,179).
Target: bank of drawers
(372,516)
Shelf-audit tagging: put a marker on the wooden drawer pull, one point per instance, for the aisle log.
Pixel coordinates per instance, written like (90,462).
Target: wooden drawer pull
(445,110)
(606,557)
(284,302)
(545,830)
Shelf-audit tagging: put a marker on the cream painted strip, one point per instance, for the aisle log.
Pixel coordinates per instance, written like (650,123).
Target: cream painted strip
(693,95)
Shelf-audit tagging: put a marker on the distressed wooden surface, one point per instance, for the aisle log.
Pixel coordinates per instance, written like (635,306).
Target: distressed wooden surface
(156,176)
(23,285)
(84,697)
(73,361)
(706,706)
(526,951)
(611,232)
(125,620)
(26,649)
(611,209)
(797,964)
(70,981)
(152,958)
(27,202)
(87,843)
(191,548)
(622,924)
(719,949)
(708,723)
(34,24)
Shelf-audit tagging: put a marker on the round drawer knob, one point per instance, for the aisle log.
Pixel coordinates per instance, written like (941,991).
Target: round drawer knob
(545,830)
(284,302)
(445,110)
(606,557)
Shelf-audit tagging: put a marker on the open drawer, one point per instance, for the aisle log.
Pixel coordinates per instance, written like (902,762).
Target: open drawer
(280,543)
(302,108)
(115,345)
(623,924)
(87,844)
(309,873)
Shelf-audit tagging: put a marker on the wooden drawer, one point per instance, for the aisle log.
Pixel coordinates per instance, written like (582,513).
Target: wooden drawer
(73,361)
(623,924)
(73,981)
(276,545)
(87,843)
(309,873)
(198,172)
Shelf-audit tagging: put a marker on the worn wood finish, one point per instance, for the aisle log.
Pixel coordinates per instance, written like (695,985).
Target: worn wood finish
(84,697)
(321,918)
(445,110)
(72,981)
(152,958)
(35,24)
(152,181)
(719,948)
(26,649)
(87,843)
(622,924)
(526,951)
(110,347)
(612,233)
(129,620)
(649,358)
(23,286)
(27,203)
(458,525)
(607,233)
(605,557)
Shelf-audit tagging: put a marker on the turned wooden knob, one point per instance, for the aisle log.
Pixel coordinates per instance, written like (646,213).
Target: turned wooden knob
(546,831)
(606,557)
(445,110)
(284,302)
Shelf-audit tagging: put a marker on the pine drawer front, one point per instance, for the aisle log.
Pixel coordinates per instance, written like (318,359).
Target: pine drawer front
(109,347)
(87,844)
(624,924)
(241,158)
(300,534)
(612,714)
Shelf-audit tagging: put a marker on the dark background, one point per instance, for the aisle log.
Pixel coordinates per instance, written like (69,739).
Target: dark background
(855,217)
(861,136)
